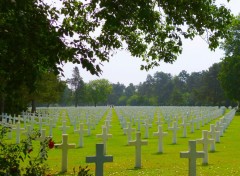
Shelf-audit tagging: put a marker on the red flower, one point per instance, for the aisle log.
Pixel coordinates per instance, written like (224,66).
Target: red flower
(50,144)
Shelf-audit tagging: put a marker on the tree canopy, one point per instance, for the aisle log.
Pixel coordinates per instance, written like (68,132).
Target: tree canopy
(152,30)
(229,75)
(38,36)
(98,91)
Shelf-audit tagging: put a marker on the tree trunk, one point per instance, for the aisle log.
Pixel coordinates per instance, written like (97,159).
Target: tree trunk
(33,106)
(95,104)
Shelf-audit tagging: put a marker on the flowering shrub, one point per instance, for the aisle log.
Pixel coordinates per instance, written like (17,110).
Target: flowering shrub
(11,155)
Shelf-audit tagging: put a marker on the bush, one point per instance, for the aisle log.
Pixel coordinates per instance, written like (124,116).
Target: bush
(11,155)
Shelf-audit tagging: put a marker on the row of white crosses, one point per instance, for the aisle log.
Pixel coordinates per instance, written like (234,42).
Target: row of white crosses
(174,129)
(137,143)
(101,150)
(214,133)
(192,154)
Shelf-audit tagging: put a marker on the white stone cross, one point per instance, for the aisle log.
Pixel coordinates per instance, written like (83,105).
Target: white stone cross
(213,135)
(107,124)
(192,122)
(138,144)
(198,121)
(129,131)
(89,127)
(64,127)
(138,121)
(192,155)
(159,121)
(205,141)
(40,124)
(160,134)
(14,119)
(32,122)
(99,159)
(168,121)
(174,129)
(223,123)
(74,123)
(81,133)
(51,126)
(18,130)
(64,146)
(25,121)
(184,125)
(124,123)
(104,137)
(147,126)
(219,127)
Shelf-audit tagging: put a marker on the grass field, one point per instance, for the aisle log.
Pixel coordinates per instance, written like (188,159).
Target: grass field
(224,162)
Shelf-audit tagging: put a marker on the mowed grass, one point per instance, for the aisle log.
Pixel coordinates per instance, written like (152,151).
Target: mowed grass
(225,161)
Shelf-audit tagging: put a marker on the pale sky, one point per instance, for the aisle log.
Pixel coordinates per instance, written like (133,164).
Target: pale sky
(124,68)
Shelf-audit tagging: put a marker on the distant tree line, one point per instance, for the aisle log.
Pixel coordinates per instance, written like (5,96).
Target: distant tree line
(195,89)
(162,89)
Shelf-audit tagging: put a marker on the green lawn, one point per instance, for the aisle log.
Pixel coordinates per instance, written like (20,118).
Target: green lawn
(225,161)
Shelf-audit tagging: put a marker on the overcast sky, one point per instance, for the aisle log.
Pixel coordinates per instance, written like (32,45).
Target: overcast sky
(125,69)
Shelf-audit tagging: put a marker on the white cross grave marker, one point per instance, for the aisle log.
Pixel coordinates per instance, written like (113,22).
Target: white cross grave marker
(138,121)
(160,134)
(40,124)
(65,146)
(159,121)
(192,122)
(18,130)
(64,127)
(32,122)
(51,126)
(129,131)
(192,155)
(89,127)
(81,133)
(205,141)
(213,135)
(138,144)
(147,126)
(99,159)
(174,130)
(107,124)
(104,137)
(184,125)
(219,127)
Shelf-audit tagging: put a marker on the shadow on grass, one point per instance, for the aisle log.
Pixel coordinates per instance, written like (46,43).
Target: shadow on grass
(158,153)
(213,151)
(206,165)
(173,144)
(135,168)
